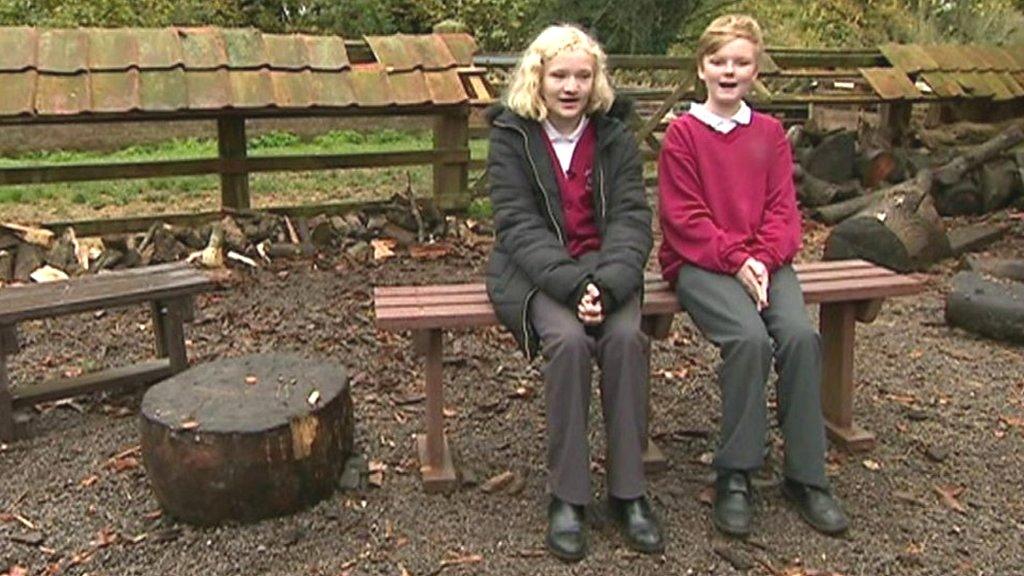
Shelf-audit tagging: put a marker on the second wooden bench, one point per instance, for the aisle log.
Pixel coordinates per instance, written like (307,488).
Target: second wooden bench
(848,291)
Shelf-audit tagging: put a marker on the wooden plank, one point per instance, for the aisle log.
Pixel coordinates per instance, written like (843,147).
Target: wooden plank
(140,374)
(436,465)
(21,303)
(452,155)
(119,171)
(234,187)
(6,403)
(837,327)
(451,177)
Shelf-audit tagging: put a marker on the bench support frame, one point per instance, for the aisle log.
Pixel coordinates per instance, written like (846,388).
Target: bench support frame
(169,315)
(838,327)
(436,466)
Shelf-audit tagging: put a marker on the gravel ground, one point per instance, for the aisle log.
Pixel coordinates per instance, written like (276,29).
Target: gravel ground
(947,406)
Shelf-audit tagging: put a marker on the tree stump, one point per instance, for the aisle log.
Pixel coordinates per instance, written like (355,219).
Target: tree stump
(246,438)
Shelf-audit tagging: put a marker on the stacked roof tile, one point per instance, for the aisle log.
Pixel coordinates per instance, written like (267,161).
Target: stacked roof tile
(70,73)
(949,71)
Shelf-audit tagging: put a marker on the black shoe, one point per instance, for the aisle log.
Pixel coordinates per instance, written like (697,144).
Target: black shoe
(817,507)
(733,512)
(565,538)
(638,524)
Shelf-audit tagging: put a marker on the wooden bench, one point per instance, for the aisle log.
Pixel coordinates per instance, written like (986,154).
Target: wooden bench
(847,291)
(168,288)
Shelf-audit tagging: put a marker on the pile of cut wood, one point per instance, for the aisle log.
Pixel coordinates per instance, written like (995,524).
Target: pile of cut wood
(38,254)
(887,204)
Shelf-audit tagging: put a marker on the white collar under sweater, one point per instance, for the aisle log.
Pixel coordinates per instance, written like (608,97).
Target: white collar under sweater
(719,123)
(565,145)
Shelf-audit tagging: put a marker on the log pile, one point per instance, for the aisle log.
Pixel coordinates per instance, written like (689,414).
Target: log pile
(887,205)
(33,254)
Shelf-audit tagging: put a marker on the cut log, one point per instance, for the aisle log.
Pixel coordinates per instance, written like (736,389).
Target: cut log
(246,438)
(1000,181)
(1000,267)
(962,198)
(901,230)
(954,171)
(27,260)
(877,166)
(64,253)
(8,241)
(814,191)
(833,160)
(988,307)
(975,237)
(38,236)
(835,213)
(234,238)
(956,134)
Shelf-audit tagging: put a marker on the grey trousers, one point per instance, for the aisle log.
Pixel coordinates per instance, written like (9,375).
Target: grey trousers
(621,350)
(727,315)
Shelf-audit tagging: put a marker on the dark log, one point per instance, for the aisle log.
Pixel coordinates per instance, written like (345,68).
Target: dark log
(321,233)
(901,230)
(975,237)
(961,198)
(8,241)
(814,191)
(999,267)
(988,307)
(166,247)
(63,254)
(877,166)
(1000,181)
(108,259)
(246,438)
(834,159)
(27,259)
(954,171)
(284,250)
(188,236)
(835,213)
(957,134)
(234,238)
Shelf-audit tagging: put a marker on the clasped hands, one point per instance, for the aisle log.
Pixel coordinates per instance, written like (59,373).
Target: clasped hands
(753,275)
(589,310)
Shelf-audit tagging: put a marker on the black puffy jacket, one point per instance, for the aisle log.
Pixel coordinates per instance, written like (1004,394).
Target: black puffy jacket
(530,252)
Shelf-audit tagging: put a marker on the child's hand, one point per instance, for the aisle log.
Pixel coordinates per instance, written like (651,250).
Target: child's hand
(753,275)
(589,310)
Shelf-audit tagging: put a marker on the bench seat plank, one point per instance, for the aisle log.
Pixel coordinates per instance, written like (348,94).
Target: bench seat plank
(33,301)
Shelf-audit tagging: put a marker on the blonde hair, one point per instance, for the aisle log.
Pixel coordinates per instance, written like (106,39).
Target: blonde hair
(524,92)
(725,29)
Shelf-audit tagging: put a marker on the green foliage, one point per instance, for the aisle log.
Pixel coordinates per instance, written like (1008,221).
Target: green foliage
(480,209)
(61,13)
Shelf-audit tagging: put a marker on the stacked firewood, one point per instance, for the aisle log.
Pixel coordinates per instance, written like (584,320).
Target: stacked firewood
(887,205)
(32,254)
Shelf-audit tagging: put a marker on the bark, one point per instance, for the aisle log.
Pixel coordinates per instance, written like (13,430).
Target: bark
(955,170)
(246,438)
(813,191)
(999,267)
(834,160)
(975,237)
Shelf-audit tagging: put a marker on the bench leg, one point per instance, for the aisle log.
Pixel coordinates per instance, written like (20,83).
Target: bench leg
(436,467)
(838,324)
(8,346)
(168,325)
(657,328)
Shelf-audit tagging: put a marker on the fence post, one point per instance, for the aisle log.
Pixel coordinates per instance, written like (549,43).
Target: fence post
(451,181)
(895,121)
(234,180)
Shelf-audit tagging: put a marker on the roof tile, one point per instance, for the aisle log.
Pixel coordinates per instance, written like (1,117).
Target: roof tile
(292,89)
(326,53)
(115,49)
(409,88)
(158,48)
(17,93)
(287,52)
(890,83)
(62,94)
(202,48)
(446,87)
(163,91)
(332,89)
(115,91)
(370,86)
(244,47)
(395,53)
(18,49)
(251,88)
(462,46)
(207,89)
(63,51)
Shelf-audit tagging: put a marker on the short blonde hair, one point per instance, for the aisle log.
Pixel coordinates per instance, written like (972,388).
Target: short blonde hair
(524,91)
(725,29)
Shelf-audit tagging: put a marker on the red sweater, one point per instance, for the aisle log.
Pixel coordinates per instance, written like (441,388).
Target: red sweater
(577,193)
(726,197)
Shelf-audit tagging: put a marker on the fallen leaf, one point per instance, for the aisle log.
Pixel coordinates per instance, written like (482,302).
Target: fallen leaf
(17,570)
(189,425)
(313,398)
(89,481)
(872,465)
(498,482)
(153,515)
(949,495)
(250,380)
(105,537)
(707,496)
(471,559)
(449,412)
(123,464)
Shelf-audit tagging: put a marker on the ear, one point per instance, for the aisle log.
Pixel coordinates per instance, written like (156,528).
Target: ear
(700,71)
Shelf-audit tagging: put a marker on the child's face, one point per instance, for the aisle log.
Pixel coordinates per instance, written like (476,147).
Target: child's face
(729,73)
(566,86)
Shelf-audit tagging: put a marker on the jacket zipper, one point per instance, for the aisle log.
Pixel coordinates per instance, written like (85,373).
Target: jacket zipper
(558,232)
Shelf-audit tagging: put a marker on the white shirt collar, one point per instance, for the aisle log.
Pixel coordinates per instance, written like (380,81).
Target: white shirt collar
(719,123)
(555,136)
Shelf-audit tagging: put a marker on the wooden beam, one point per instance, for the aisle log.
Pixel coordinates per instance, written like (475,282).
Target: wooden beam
(231,145)
(135,375)
(118,171)
(451,176)
(436,465)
